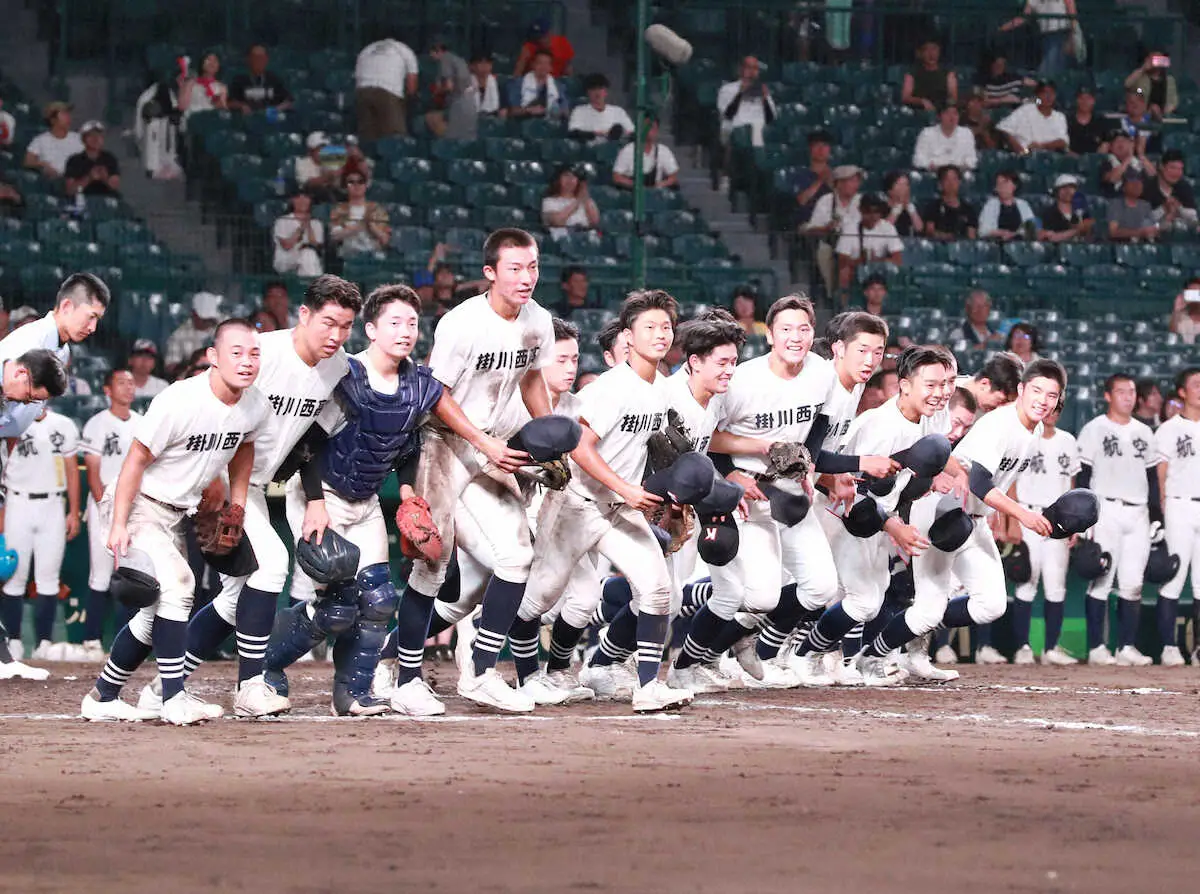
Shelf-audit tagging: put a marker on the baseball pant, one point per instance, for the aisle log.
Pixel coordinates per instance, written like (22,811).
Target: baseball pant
(37,530)
(862,567)
(101,560)
(1048,559)
(1124,532)
(1182,527)
(752,580)
(380,113)
(157,530)
(359,521)
(270,552)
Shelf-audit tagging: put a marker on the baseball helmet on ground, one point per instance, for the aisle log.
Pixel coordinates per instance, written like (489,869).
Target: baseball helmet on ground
(8,560)
(133,583)
(333,559)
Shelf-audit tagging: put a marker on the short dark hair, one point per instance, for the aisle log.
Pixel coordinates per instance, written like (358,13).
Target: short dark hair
(541,51)
(92,286)
(639,301)
(701,337)
(274,284)
(1029,329)
(569,271)
(231,323)
(833,329)
(962,397)
(1172,155)
(564,329)
(1044,368)
(505,237)
(914,358)
(876,380)
(795,301)
(822,348)
(45,371)
(874,280)
(946,169)
(382,296)
(330,289)
(1012,176)
(108,376)
(890,178)
(607,337)
(859,322)
(820,135)
(1003,371)
(593,81)
(716,315)
(1181,377)
(1143,387)
(1118,377)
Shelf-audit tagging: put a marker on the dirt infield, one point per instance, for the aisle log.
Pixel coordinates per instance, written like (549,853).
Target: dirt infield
(1012,779)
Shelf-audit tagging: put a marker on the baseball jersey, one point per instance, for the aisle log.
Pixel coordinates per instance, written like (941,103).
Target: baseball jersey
(840,409)
(482,357)
(41,333)
(107,436)
(760,404)
(883,431)
(43,456)
(1002,445)
(193,435)
(1052,465)
(296,394)
(700,421)
(623,409)
(1119,456)
(1175,443)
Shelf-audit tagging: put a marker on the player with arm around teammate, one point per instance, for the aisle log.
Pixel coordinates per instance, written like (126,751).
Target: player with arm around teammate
(195,430)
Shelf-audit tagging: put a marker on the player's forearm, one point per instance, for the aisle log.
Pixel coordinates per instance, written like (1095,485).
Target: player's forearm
(588,458)
(535,393)
(738,445)
(129,482)
(72,474)
(240,467)
(95,487)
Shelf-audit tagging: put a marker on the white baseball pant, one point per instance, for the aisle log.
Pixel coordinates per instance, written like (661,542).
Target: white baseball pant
(1123,531)
(1049,559)
(1181,524)
(270,552)
(100,560)
(157,530)
(862,567)
(37,530)
(359,521)
(752,580)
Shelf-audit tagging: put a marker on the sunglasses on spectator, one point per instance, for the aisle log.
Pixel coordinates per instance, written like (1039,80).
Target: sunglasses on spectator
(355,181)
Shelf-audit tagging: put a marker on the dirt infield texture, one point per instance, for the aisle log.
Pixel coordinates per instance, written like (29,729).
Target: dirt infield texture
(1011,779)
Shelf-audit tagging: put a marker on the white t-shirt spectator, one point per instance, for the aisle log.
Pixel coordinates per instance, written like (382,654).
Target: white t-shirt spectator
(577,221)
(751,110)
(660,160)
(935,149)
(385,64)
(585,118)
(54,151)
(8,128)
(1051,15)
(152,387)
(829,210)
(487,97)
(306,169)
(1029,125)
(203,96)
(878,243)
(304,258)
(185,341)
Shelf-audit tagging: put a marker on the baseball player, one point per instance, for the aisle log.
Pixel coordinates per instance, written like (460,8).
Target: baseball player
(1051,472)
(1176,442)
(995,451)
(105,442)
(39,470)
(299,369)
(193,431)
(1119,463)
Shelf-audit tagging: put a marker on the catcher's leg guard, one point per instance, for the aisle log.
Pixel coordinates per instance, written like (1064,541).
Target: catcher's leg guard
(335,612)
(354,665)
(293,636)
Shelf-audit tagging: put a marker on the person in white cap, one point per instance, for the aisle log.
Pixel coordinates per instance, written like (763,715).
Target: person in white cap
(143,360)
(195,332)
(299,239)
(94,171)
(1062,221)
(315,178)
(49,151)
(831,212)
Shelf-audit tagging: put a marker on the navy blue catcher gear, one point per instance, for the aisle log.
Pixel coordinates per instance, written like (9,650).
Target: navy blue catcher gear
(333,559)
(356,656)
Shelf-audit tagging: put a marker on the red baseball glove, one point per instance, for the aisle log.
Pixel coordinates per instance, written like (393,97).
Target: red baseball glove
(419,537)
(219,532)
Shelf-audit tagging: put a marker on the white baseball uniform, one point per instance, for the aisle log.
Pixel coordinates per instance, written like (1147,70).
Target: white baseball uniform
(1052,466)
(481,358)
(35,481)
(1001,444)
(1176,443)
(41,333)
(1119,456)
(108,437)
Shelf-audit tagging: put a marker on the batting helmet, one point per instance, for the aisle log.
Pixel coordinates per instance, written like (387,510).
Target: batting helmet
(1089,561)
(133,583)
(333,559)
(1162,564)
(1015,559)
(8,560)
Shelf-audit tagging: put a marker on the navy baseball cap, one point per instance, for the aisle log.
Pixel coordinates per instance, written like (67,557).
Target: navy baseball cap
(719,540)
(786,508)
(865,518)
(686,481)
(1072,513)
(722,499)
(927,456)
(952,526)
(547,437)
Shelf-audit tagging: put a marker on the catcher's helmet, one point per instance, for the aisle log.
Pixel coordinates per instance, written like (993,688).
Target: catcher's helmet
(133,583)
(1015,559)
(333,559)
(1089,561)
(1162,564)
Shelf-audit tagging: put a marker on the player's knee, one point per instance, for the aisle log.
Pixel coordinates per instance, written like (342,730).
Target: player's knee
(1056,595)
(653,601)
(988,604)
(578,613)
(1025,593)
(141,625)
(513,562)
(922,617)
(175,604)
(759,600)
(272,571)
(861,606)
(337,611)
(452,612)
(377,596)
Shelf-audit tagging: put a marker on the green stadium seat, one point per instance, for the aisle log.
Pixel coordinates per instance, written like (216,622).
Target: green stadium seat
(400,214)
(1028,254)
(922,251)
(1143,254)
(525,172)
(40,207)
(39,284)
(120,232)
(499,149)
(448,150)
(60,230)
(616,220)
(411,170)
(966,253)
(586,244)
(439,217)
(18,253)
(221,143)
(469,170)
(412,240)
(74,255)
(480,195)
(658,200)
(537,129)
(1106,278)
(1082,254)
(394,147)
(429,193)
(1186,256)
(693,247)
(677,223)
(497,216)
(462,239)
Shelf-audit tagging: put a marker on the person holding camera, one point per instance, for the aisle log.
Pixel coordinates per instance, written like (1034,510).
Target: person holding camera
(597,121)
(299,239)
(567,204)
(660,169)
(746,101)
(1156,83)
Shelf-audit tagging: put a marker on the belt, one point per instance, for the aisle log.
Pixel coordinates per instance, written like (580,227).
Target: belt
(1124,502)
(40,496)
(1192,499)
(165,505)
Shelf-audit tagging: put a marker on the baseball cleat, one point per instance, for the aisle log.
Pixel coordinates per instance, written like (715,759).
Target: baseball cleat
(256,698)
(917,664)
(946,655)
(542,690)
(774,676)
(1172,657)
(465,642)
(874,671)
(1100,656)
(385,678)
(416,699)
(1058,657)
(1024,655)
(18,670)
(690,678)
(1129,656)
(569,683)
(608,681)
(93,651)
(346,705)
(810,670)
(842,670)
(658,696)
(151,697)
(182,709)
(989,655)
(48,651)
(746,653)
(113,711)
(490,689)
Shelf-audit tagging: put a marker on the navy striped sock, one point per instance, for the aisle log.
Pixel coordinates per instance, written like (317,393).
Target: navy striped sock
(852,641)
(205,633)
(255,618)
(1053,613)
(412,629)
(501,600)
(1094,611)
(1128,617)
(616,597)
(1167,613)
(523,643)
(97,611)
(169,637)
(730,634)
(618,640)
(127,654)
(651,637)
(1022,620)
(695,597)
(697,648)
(12,608)
(895,635)
(828,631)
(563,640)
(388,652)
(958,615)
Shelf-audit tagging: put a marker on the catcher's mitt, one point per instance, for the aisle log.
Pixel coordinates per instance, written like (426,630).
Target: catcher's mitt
(787,459)
(554,473)
(219,532)
(419,536)
(665,446)
(678,521)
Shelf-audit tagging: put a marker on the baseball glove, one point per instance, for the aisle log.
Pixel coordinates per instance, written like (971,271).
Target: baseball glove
(665,446)
(678,521)
(554,473)
(787,459)
(419,536)
(219,531)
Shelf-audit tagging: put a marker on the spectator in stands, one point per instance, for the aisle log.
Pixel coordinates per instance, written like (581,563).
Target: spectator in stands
(839,206)
(745,102)
(1135,120)
(1157,84)
(927,85)
(202,92)
(975,328)
(278,303)
(356,162)
(8,127)
(537,94)
(299,240)
(978,120)
(574,284)
(314,177)
(660,170)
(142,361)
(11,203)
(49,151)
(596,121)
(543,39)
(1185,315)
(1065,220)
(567,204)
(259,90)
(1005,217)
(1170,195)
(1130,217)
(357,225)
(263,320)
(902,213)
(1149,402)
(1086,133)
(457,118)
(484,87)
(945,143)
(1000,86)
(743,304)
(1054,19)
(869,238)
(1123,158)
(874,294)
(22,316)
(196,363)
(950,217)
(385,74)
(195,333)
(1023,340)
(94,171)
(1037,126)
(816,180)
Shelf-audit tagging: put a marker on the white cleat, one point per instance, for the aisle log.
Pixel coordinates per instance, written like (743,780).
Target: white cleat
(183,709)
(691,678)
(1024,655)
(988,655)
(569,683)
(256,698)
(18,670)
(490,689)
(542,690)
(385,679)
(93,651)
(746,653)
(874,671)
(1172,657)
(48,651)
(842,670)
(416,699)
(917,664)
(718,673)
(16,649)
(1129,656)
(946,655)
(810,670)
(1058,657)
(151,696)
(658,696)
(774,676)
(608,681)
(114,711)
(1100,656)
